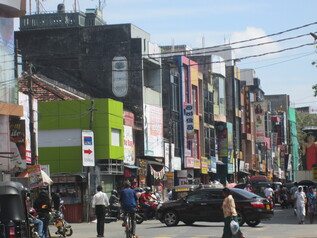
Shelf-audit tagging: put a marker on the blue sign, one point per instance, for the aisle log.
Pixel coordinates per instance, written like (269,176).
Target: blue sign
(87,140)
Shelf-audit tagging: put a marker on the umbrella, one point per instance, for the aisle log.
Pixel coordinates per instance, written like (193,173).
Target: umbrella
(45,178)
(307,183)
(231,185)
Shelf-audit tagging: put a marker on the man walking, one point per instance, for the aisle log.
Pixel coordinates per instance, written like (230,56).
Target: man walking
(99,203)
(300,198)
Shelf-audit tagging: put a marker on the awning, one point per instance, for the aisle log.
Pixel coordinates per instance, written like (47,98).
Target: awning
(132,166)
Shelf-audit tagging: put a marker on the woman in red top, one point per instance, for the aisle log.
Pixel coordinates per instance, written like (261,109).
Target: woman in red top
(310,151)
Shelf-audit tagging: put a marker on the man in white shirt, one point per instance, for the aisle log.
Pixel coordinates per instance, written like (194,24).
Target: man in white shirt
(268,192)
(300,201)
(99,203)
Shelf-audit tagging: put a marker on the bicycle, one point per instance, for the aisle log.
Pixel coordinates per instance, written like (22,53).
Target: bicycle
(130,224)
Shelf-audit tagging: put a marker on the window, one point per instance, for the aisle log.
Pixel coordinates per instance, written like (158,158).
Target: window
(202,195)
(175,94)
(195,104)
(115,137)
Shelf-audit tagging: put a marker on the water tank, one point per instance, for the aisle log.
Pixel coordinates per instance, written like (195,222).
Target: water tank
(61,8)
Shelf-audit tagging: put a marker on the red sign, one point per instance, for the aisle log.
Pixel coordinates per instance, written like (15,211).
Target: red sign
(247,106)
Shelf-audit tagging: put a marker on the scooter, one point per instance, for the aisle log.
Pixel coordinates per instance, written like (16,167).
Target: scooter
(141,211)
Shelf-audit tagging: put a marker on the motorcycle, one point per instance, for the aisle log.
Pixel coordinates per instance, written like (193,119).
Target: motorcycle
(63,227)
(113,214)
(141,212)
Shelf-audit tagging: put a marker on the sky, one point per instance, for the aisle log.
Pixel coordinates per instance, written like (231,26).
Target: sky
(217,22)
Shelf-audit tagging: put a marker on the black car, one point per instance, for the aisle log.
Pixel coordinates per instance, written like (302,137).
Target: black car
(205,205)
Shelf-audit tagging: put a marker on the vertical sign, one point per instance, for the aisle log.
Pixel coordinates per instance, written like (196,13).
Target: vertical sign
(120,76)
(189,115)
(129,155)
(88,150)
(259,122)
(247,110)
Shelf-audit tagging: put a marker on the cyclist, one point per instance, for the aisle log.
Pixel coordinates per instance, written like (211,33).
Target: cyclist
(128,201)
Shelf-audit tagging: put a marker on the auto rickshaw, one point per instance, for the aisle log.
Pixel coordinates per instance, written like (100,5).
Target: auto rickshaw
(13,212)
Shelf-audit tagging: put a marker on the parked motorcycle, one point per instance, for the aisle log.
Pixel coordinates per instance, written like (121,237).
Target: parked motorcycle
(63,227)
(141,211)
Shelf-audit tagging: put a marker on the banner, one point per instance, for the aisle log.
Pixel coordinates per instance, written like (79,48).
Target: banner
(35,176)
(204,165)
(129,155)
(259,122)
(153,131)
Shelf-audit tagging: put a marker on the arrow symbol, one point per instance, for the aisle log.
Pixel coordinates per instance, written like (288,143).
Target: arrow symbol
(87,151)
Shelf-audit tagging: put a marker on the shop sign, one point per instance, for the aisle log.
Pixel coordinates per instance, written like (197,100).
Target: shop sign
(120,76)
(241,165)
(246,167)
(129,155)
(197,163)
(153,131)
(189,162)
(204,165)
(213,165)
(88,149)
(247,106)
(35,176)
(189,116)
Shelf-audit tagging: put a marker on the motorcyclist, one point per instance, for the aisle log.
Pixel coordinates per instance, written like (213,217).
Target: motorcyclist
(145,200)
(32,215)
(268,192)
(114,201)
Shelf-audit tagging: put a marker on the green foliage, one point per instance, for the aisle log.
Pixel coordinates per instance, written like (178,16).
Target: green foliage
(315,90)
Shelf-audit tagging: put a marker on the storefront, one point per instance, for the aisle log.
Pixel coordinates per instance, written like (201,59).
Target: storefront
(72,189)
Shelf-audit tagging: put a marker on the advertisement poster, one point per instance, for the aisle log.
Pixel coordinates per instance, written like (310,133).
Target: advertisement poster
(169,180)
(259,121)
(35,176)
(222,143)
(189,162)
(204,165)
(129,154)
(153,131)
(197,163)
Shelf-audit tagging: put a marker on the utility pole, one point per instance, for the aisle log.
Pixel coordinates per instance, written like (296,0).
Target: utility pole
(31,113)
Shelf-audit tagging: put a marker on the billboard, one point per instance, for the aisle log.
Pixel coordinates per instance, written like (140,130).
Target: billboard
(259,112)
(153,131)
(129,155)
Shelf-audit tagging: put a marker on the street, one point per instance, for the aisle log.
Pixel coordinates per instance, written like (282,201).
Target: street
(283,225)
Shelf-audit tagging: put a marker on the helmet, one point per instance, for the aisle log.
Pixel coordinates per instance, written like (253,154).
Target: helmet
(114,192)
(148,189)
(269,185)
(32,211)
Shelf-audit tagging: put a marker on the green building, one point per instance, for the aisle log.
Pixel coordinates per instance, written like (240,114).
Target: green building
(60,146)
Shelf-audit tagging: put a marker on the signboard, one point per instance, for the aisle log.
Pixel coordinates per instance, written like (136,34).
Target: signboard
(247,106)
(204,165)
(168,157)
(189,162)
(189,115)
(177,163)
(153,131)
(129,155)
(88,150)
(169,180)
(120,76)
(35,176)
(259,122)
(213,165)
(197,163)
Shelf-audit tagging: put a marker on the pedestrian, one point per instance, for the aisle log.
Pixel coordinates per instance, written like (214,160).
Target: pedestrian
(300,200)
(43,207)
(99,203)
(129,201)
(293,190)
(311,201)
(230,213)
(169,194)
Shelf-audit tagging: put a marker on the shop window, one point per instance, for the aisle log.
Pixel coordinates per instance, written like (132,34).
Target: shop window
(115,137)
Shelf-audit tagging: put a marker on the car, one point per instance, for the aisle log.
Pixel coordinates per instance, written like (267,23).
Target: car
(205,205)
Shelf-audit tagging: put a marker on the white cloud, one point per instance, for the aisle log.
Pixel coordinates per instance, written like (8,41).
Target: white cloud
(249,33)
